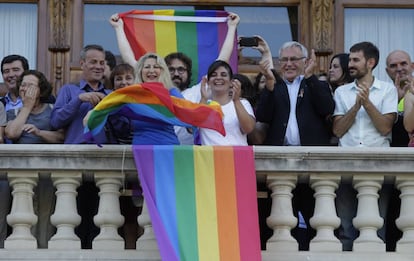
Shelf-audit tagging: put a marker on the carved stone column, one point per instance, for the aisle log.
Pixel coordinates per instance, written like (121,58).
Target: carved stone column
(109,216)
(281,218)
(325,219)
(147,241)
(22,216)
(65,217)
(405,222)
(368,219)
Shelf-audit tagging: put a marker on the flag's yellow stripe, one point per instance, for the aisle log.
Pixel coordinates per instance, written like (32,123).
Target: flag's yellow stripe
(206,203)
(165,34)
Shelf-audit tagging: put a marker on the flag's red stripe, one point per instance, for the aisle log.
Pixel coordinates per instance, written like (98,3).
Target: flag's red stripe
(247,203)
(140,33)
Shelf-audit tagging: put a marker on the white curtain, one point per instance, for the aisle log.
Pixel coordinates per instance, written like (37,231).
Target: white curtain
(388,29)
(18,31)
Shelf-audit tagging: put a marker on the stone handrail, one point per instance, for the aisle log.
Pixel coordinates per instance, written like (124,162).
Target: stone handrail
(323,169)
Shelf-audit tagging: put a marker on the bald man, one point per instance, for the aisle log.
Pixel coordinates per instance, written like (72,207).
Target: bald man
(400,69)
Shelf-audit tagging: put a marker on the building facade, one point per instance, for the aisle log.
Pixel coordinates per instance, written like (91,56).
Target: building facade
(62,27)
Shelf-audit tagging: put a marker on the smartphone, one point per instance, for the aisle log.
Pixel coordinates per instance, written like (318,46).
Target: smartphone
(248,41)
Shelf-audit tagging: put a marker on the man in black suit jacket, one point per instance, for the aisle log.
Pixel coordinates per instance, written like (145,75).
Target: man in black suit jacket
(297,107)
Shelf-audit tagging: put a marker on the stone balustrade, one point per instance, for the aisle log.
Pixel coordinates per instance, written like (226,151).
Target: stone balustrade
(280,169)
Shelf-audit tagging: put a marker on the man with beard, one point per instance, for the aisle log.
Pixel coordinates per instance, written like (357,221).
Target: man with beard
(179,66)
(365,112)
(365,109)
(400,70)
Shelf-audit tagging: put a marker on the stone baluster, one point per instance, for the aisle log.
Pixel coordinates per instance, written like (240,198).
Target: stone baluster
(281,218)
(21,217)
(65,218)
(146,241)
(405,221)
(109,217)
(325,219)
(368,219)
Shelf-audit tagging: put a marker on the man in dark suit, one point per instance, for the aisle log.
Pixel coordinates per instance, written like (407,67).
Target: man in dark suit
(297,107)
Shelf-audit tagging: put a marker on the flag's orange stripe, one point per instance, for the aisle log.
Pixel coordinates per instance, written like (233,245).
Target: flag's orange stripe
(226,203)
(145,34)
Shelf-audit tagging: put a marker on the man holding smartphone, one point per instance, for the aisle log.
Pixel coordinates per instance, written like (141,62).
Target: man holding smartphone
(296,107)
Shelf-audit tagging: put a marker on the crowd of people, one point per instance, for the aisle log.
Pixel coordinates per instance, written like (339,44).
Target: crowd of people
(292,107)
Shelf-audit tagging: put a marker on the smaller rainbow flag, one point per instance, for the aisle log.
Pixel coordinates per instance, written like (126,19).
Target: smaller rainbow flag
(202,201)
(199,34)
(152,102)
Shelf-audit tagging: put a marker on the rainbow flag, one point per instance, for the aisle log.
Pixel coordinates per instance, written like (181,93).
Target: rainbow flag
(202,201)
(198,34)
(152,102)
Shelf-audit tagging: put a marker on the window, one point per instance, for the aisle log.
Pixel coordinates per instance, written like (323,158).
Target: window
(19,31)
(98,30)
(388,29)
(275,24)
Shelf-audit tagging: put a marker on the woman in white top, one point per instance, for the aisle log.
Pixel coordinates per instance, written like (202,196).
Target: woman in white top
(238,116)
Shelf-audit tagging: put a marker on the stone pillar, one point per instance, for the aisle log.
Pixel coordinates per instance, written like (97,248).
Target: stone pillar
(147,241)
(368,219)
(281,218)
(21,217)
(325,219)
(109,217)
(405,222)
(65,218)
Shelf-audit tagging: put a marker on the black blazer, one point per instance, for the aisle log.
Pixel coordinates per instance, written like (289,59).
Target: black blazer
(315,105)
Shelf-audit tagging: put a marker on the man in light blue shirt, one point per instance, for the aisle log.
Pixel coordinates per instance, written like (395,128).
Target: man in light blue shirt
(366,109)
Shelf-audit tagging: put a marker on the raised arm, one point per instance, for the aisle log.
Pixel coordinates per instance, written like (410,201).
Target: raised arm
(228,45)
(266,62)
(124,47)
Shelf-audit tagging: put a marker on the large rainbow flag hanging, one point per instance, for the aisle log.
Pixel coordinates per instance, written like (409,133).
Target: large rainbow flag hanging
(152,102)
(202,201)
(198,34)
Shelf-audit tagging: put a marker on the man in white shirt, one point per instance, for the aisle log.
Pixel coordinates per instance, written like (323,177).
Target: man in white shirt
(365,110)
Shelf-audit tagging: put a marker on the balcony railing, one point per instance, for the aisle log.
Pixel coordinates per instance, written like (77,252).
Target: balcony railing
(280,172)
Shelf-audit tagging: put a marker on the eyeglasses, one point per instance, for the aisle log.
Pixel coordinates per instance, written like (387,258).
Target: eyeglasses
(285,60)
(180,70)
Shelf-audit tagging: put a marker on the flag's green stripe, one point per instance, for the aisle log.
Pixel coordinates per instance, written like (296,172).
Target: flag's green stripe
(186,204)
(187,42)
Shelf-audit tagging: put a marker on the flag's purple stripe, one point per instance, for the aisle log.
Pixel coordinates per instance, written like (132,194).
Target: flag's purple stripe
(165,191)
(144,160)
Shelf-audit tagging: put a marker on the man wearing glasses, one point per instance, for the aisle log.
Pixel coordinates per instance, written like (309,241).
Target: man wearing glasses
(179,66)
(297,108)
